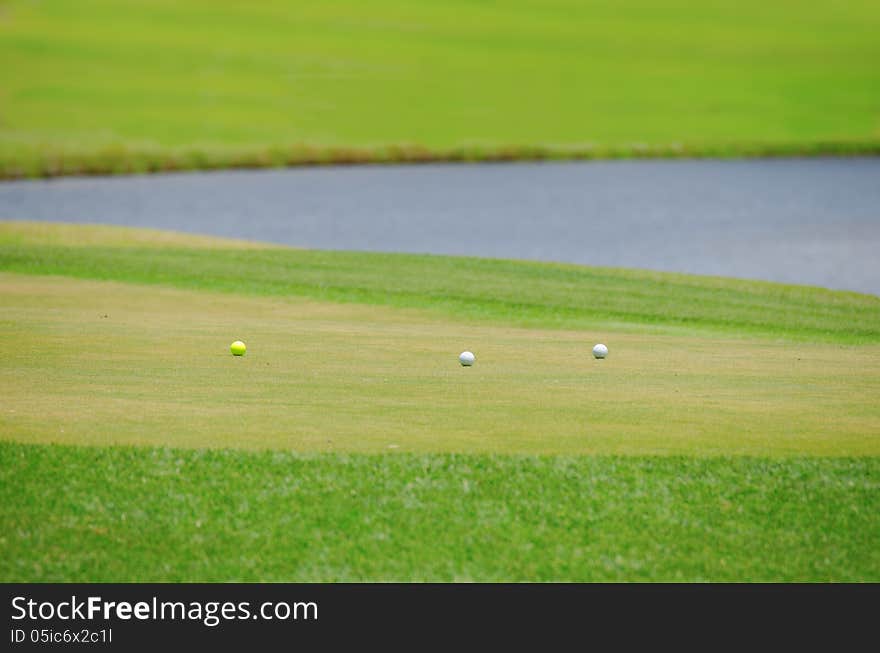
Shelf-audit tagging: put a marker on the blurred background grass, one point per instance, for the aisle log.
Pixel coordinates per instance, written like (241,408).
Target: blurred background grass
(101,86)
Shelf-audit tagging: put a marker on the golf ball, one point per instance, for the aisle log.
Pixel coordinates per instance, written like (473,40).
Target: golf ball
(600,351)
(466,358)
(237,348)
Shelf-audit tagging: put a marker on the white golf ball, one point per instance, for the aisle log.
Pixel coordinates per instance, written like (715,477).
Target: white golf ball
(467,358)
(600,351)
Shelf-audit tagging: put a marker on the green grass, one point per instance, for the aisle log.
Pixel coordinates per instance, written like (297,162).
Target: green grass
(104,514)
(95,86)
(483,290)
(109,363)
(739,444)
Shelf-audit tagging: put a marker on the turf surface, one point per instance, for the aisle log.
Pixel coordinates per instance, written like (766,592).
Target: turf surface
(481,290)
(104,86)
(171,515)
(110,363)
(349,445)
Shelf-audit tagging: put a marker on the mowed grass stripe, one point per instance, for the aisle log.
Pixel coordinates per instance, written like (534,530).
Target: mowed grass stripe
(64,234)
(485,290)
(133,514)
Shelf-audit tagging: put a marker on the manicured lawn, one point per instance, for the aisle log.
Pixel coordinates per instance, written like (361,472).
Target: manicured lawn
(104,86)
(111,363)
(467,289)
(732,434)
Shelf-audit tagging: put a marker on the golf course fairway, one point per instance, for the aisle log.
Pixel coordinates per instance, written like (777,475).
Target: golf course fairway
(101,86)
(733,432)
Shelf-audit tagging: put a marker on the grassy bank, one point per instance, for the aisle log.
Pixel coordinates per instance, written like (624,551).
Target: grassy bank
(59,161)
(105,87)
(483,290)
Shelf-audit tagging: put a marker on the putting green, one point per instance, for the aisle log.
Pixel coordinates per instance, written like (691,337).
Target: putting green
(97,362)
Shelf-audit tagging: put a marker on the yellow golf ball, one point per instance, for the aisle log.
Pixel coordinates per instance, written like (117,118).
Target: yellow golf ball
(237,348)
